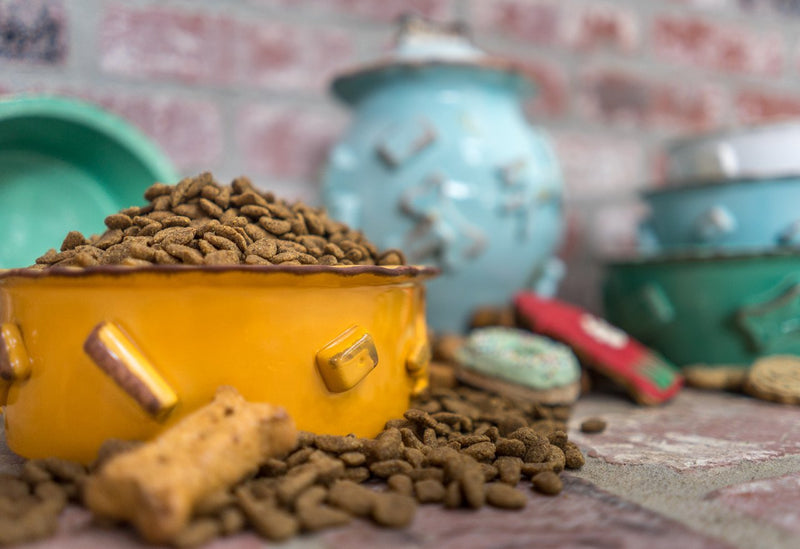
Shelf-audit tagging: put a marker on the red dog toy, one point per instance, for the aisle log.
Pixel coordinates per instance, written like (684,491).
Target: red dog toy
(648,377)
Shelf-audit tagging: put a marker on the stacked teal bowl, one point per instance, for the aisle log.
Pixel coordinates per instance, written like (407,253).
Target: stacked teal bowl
(717,279)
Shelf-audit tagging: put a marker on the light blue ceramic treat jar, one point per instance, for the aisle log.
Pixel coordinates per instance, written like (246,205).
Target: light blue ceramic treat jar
(440,162)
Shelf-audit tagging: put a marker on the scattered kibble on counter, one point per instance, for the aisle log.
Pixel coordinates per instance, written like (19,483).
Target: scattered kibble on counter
(455,447)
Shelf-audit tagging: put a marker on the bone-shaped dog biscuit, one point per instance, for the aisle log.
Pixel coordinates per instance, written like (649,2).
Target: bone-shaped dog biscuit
(157,485)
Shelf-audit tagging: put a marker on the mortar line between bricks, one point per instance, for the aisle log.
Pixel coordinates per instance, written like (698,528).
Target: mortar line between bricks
(681,496)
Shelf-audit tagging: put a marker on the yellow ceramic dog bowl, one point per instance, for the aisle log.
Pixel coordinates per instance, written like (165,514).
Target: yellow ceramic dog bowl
(116,352)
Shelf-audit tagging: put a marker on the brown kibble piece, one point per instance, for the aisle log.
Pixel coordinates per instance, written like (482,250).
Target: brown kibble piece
(394,510)
(210,208)
(547,483)
(176,221)
(385,469)
(51,491)
(353,459)
(72,240)
(558,438)
(118,221)
(197,533)
(352,497)
(63,469)
(510,447)
(482,451)
(509,469)
(356,474)
(392,257)
(504,496)
(473,487)
(452,495)
(429,491)
(293,485)
(266,248)
(109,238)
(573,457)
(174,235)
(33,472)
(337,444)
(415,457)
(388,446)
(556,459)
(317,518)
(215,502)
(231,520)
(593,425)
(185,254)
(156,190)
(35,522)
(267,519)
(533,469)
(401,484)
(222,257)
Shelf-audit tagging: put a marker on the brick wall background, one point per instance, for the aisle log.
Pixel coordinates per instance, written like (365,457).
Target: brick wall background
(239,86)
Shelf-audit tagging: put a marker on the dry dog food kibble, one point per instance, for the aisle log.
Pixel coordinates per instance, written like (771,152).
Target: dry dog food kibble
(593,425)
(201,222)
(456,447)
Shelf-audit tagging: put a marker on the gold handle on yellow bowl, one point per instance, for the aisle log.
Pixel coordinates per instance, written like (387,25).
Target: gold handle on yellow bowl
(14,362)
(347,359)
(116,354)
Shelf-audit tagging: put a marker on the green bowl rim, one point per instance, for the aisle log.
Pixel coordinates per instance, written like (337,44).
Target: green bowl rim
(109,125)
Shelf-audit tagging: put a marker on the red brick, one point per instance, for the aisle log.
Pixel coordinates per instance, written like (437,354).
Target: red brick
(612,230)
(711,4)
(769,7)
(582,280)
(756,105)
(189,130)
(635,100)
(600,25)
(287,57)
(773,500)
(534,21)
(383,10)
(595,165)
(690,40)
(574,229)
(286,142)
(550,87)
(168,43)
(33,31)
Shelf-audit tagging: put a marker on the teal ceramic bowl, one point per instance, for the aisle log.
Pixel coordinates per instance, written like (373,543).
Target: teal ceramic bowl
(65,165)
(713,309)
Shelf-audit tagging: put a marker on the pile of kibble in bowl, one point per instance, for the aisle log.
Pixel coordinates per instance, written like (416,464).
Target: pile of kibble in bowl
(202,222)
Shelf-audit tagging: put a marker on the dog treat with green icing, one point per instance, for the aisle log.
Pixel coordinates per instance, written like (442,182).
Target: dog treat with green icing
(519,364)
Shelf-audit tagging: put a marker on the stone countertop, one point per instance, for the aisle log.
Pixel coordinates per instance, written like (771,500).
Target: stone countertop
(707,470)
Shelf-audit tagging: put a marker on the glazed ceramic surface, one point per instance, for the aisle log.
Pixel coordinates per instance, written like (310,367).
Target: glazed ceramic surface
(440,162)
(713,309)
(123,353)
(758,152)
(732,215)
(64,164)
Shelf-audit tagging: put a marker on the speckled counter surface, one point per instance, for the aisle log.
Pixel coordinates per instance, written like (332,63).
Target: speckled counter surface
(705,471)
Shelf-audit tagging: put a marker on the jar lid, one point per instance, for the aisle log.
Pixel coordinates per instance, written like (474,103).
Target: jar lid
(755,152)
(421,43)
